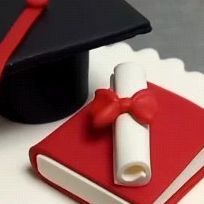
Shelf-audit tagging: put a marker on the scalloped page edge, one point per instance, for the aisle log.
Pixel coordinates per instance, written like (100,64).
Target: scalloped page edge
(168,73)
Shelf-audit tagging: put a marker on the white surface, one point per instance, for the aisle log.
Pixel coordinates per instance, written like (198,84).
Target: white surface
(194,166)
(196,194)
(18,185)
(75,183)
(131,139)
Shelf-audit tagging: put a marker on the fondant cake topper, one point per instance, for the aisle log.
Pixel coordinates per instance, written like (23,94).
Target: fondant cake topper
(79,143)
(46,79)
(132,114)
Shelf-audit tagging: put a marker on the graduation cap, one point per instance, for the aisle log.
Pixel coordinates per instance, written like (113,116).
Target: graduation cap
(44,66)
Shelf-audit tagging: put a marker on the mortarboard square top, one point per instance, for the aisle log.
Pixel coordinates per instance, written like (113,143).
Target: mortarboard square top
(47,76)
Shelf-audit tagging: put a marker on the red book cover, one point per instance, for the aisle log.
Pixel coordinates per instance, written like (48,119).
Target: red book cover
(176,138)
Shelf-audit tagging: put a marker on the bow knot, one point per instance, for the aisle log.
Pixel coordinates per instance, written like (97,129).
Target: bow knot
(107,106)
(125,104)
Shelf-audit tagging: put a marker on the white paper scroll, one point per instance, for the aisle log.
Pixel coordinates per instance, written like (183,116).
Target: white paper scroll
(131,139)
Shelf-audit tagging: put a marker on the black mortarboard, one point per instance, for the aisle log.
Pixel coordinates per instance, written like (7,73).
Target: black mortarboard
(46,78)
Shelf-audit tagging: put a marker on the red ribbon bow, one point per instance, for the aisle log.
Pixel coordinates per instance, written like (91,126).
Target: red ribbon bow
(107,106)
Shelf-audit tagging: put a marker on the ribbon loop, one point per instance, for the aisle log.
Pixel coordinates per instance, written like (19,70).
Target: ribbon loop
(38,3)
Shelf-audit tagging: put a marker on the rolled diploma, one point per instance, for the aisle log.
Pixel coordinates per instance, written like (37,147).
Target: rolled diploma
(131,139)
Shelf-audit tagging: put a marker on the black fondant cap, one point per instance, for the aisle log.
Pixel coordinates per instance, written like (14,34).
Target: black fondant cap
(47,77)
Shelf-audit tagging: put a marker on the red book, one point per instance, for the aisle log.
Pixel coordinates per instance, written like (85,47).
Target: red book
(78,160)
